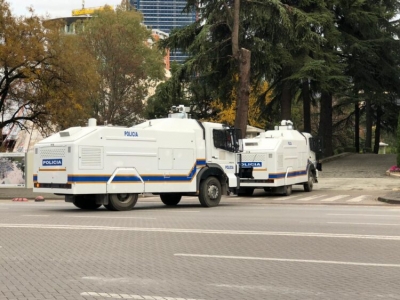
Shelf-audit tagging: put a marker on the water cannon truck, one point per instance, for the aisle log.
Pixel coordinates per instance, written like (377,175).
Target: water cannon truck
(108,165)
(277,159)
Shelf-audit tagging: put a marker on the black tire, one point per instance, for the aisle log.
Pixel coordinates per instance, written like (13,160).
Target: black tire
(287,190)
(308,186)
(121,202)
(86,202)
(210,192)
(246,192)
(170,199)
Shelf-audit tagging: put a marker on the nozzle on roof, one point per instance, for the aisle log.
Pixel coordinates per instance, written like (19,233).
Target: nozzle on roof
(286,123)
(92,122)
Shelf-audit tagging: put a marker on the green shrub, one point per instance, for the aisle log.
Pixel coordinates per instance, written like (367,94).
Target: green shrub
(350,149)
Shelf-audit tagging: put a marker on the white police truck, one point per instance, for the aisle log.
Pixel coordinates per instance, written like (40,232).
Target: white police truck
(108,165)
(277,159)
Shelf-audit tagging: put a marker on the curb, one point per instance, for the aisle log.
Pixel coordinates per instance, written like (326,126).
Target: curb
(392,174)
(20,199)
(330,158)
(390,201)
(395,199)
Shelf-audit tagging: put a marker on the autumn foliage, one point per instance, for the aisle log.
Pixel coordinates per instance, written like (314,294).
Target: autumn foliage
(227,114)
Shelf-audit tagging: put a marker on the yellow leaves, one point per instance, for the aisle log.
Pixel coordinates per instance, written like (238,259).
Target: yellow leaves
(227,114)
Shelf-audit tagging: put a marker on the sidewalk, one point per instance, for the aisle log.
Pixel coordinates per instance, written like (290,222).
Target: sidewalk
(372,168)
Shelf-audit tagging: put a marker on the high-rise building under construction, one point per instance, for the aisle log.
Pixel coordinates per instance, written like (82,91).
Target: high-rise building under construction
(165,15)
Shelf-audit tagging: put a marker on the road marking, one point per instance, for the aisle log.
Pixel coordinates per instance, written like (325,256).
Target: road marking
(372,224)
(129,296)
(283,198)
(331,199)
(203,231)
(364,215)
(291,260)
(35,215)
(97,217)
(310,198)
(357,199)
(179,210)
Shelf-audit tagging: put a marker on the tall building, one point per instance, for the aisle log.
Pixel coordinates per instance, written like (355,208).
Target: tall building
(165,15)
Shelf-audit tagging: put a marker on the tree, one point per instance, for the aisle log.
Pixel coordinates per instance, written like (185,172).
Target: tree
(370,48)
(215,40)
(70,81)
(178,90)
(227,115)
(38,80)
(128,64)
(167,94)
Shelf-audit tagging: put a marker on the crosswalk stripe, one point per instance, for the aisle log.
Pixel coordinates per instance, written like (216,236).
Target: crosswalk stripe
(331,199)
(296,197)
(283,198)
(311,198)
(357,199)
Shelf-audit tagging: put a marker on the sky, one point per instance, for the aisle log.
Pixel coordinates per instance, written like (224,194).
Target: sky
(55,8)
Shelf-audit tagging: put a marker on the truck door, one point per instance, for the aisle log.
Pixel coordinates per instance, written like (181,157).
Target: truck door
(223,145)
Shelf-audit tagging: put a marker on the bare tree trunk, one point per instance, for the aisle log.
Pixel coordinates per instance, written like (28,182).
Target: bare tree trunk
(325,123)
(242,57)
(286,102)
(306,106)
(368,125)
(244,91)
(377,130)
(235,30)
(357,127)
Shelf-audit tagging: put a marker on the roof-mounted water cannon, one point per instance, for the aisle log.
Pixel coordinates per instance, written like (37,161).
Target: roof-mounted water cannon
(180,112)
(285,124)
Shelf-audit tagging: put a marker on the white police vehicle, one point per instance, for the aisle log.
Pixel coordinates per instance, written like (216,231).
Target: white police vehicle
(278,159)
(110,166)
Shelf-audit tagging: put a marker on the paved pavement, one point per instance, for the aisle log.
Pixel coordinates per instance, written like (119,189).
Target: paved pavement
(54,251)
(347,171)
(369,170)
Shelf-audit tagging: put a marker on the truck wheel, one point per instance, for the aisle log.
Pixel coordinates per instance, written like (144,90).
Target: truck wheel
(210,192)
(121,201)
(170,199)
(246,192)
(287,190)
(310,183)
(86,202)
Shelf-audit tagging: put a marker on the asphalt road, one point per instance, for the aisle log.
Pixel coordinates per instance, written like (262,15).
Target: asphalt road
(337,242)
(235,251)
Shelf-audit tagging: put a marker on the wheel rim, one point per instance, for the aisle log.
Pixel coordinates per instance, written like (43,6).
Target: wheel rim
(213,191)
(123,198)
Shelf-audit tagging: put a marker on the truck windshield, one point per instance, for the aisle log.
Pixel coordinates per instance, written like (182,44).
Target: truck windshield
(228,139)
